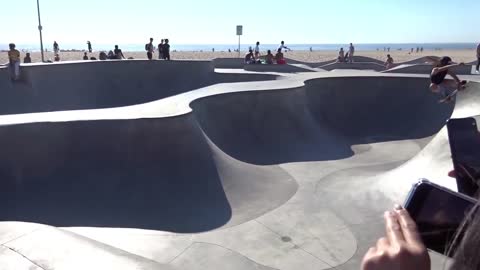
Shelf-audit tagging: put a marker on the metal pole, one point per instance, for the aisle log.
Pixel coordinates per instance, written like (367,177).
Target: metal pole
(238,46)
(40,30)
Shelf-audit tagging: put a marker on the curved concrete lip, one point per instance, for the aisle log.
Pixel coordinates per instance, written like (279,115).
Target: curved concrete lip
(328,209)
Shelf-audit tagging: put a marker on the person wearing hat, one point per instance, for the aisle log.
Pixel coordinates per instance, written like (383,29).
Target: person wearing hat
(437,77)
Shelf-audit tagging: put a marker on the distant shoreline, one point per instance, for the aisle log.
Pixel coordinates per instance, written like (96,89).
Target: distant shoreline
(457,55)
(244,47)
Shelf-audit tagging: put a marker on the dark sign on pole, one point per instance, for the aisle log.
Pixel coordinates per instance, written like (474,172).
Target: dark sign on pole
(239,30)
(239,33)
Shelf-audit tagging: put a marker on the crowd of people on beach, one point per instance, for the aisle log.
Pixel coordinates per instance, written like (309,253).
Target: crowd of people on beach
(163,49)
(253,56)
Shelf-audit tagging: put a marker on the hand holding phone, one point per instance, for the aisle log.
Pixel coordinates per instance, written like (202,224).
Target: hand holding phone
(438,213)
(402,248)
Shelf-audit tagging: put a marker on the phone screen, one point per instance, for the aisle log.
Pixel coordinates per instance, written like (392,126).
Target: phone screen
(438,214)
(465,146)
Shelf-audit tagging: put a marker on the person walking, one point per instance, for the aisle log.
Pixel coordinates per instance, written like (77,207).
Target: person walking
(89,44)
(56,48)
(150,49)
(351,52)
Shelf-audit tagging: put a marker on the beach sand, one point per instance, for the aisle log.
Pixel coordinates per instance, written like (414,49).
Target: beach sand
(304,56)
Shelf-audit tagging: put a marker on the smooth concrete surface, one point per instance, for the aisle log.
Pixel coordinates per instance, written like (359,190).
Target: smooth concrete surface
(426,69)
(105,84)
(292,173)
(355,65)
(277,68)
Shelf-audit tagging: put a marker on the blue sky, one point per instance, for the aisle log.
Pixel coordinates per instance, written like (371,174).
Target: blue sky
(269,21)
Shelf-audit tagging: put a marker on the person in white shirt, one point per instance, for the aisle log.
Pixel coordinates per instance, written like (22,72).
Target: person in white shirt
(150,49)
(257,50)
(282,46)
(351,51)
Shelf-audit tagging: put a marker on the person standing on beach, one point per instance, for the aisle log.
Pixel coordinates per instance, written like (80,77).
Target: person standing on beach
(56,49)
(160,50)
(478,58)
(14,62)
(351,51)
(150,49)
(166,50)
(282,46)
(257,50)
(89,44)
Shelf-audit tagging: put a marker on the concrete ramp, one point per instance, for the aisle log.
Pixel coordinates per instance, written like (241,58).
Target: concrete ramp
(106,84)
(426,69)
(277,68)
(286,174)
(356,65)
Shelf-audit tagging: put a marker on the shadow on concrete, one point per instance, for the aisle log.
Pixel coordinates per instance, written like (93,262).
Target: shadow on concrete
(153,174)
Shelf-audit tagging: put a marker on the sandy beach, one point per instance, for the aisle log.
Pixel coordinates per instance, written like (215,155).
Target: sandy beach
(304,56)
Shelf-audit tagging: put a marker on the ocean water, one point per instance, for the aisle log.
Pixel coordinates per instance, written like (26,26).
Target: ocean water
(245,47)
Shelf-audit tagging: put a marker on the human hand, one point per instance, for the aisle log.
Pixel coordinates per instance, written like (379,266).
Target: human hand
(401,249)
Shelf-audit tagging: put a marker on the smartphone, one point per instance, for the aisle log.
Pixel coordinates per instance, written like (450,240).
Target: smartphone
(464,139)
(439,213)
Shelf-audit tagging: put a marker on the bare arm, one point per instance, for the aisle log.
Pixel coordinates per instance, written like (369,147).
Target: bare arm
(441,69)
(454,76)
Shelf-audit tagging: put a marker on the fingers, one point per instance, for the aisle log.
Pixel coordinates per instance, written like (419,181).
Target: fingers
(383,244)
(409,227)
(393,228)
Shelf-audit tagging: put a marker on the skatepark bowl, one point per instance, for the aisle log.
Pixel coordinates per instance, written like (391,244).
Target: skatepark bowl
(177,165)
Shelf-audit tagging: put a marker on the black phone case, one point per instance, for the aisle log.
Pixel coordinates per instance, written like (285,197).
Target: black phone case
(466,177)
(416,200)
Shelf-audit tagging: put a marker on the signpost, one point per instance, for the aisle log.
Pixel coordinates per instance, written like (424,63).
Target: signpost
(40,30)
(239,33)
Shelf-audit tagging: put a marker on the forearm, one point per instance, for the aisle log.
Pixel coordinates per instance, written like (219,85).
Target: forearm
(440,69)
(454,76)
